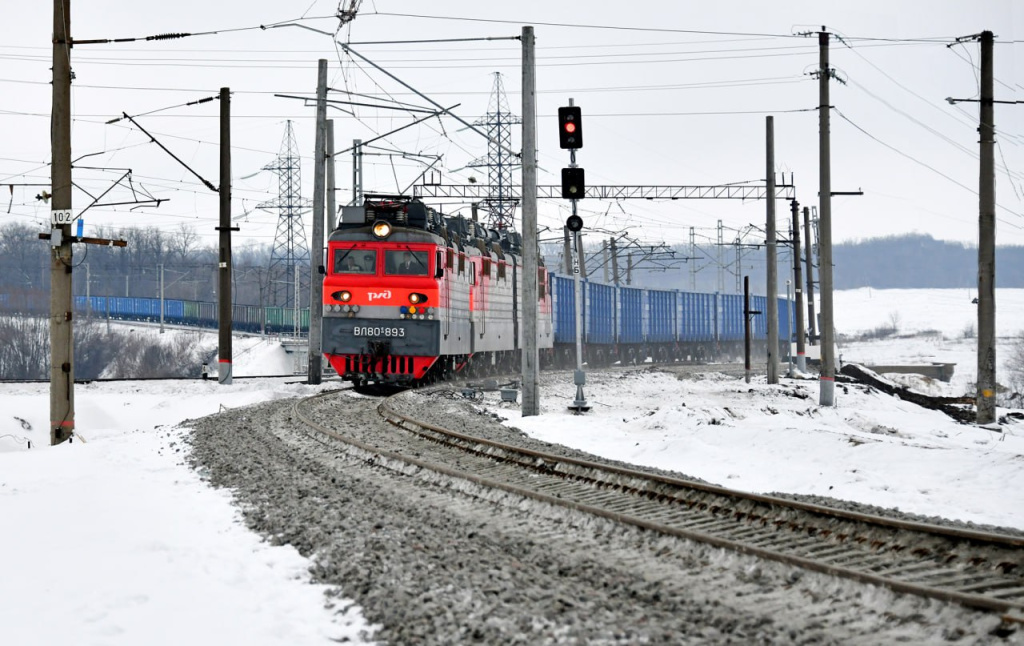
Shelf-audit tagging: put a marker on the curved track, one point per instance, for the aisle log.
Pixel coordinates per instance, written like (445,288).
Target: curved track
(973,568)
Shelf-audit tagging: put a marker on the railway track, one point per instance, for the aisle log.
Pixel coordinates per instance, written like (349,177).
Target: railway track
(973,568)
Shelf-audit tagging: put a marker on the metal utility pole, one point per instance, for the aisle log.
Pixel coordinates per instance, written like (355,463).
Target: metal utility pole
(332,208)
(721,263)
(224,288)
(316,254)
(747,316)
(531,245)
(357,171)
(62,375)
(615,261)
(693,260)
(566,253)
(986,395)
(801,351)
(161,298)
(827,383)
(582,255)
(772,312)
(810,276)
(605,260)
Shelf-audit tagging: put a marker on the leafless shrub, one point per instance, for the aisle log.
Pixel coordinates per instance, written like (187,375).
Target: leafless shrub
(24,347)
(119,354)
(1015,370)
(969,331)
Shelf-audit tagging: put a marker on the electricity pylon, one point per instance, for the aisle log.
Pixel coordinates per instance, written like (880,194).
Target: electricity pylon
(500,203)
(288,274)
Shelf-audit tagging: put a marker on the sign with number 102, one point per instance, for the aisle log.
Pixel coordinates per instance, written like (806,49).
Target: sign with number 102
(60,216)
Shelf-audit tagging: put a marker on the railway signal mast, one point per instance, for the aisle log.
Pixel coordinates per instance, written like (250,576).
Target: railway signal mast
(570,136)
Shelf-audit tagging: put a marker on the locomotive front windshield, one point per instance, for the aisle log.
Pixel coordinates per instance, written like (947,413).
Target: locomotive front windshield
(406,262)
(355,261)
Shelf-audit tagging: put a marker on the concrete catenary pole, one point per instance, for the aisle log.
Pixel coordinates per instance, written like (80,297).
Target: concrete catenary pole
(531,246)
(827,391)
(986,396)
(62,373)
(810,275)
(316,250)
(772,309)
(801,350)
(332,207)
(224,266)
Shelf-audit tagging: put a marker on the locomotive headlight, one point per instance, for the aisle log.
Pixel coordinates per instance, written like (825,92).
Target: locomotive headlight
(343,296)
(415,298)
(381,229)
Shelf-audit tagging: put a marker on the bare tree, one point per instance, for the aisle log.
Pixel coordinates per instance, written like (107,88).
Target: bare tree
(184,243)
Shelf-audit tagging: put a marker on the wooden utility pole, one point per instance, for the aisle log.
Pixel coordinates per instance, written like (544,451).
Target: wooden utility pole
(62,374)
(772,309)
(986,395)
(827,383)
(531,246)
(801,352)
(224,266)
(316,252)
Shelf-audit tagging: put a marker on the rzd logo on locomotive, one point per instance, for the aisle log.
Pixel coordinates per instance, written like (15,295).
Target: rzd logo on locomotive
(386,294)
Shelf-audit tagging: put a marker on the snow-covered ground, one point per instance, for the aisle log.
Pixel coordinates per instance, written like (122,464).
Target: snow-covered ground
(114,540)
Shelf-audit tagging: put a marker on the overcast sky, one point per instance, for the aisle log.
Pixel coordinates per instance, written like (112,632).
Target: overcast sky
(673,93)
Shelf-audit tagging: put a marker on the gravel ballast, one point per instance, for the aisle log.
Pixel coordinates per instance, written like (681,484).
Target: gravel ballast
(436,561)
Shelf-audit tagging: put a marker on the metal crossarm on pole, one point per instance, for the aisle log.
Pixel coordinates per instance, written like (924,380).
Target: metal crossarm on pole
(609,192)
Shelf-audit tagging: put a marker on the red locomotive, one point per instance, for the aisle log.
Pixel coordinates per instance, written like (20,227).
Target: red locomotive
(412,296)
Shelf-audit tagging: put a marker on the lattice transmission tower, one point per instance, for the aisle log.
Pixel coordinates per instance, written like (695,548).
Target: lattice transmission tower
(500,161)
(288,274)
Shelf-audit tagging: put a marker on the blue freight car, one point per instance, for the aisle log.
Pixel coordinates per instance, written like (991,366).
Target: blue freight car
(632,324)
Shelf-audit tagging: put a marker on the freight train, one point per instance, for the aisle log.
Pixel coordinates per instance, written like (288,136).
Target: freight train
(244,318)
(411,295)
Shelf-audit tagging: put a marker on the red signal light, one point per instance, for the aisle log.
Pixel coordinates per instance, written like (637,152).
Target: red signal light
(570,127)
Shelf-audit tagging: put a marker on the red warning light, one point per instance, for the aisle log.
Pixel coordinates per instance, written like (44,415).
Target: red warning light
(570,128)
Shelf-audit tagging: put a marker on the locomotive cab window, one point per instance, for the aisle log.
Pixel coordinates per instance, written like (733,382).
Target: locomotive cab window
(406,262)
(355,261)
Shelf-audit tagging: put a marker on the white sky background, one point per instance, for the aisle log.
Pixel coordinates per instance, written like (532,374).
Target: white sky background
(655,101)
(149,540)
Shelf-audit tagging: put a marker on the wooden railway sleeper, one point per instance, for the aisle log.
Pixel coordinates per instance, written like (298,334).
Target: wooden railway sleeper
(987,585)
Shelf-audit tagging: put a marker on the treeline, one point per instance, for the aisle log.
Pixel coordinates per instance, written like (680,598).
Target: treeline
(190,268)
(920,261)
(906,261)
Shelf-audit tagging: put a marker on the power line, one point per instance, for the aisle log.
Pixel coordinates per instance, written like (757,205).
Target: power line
(931,168)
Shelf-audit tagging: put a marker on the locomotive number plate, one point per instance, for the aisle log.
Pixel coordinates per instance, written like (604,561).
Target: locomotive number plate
(368,330)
